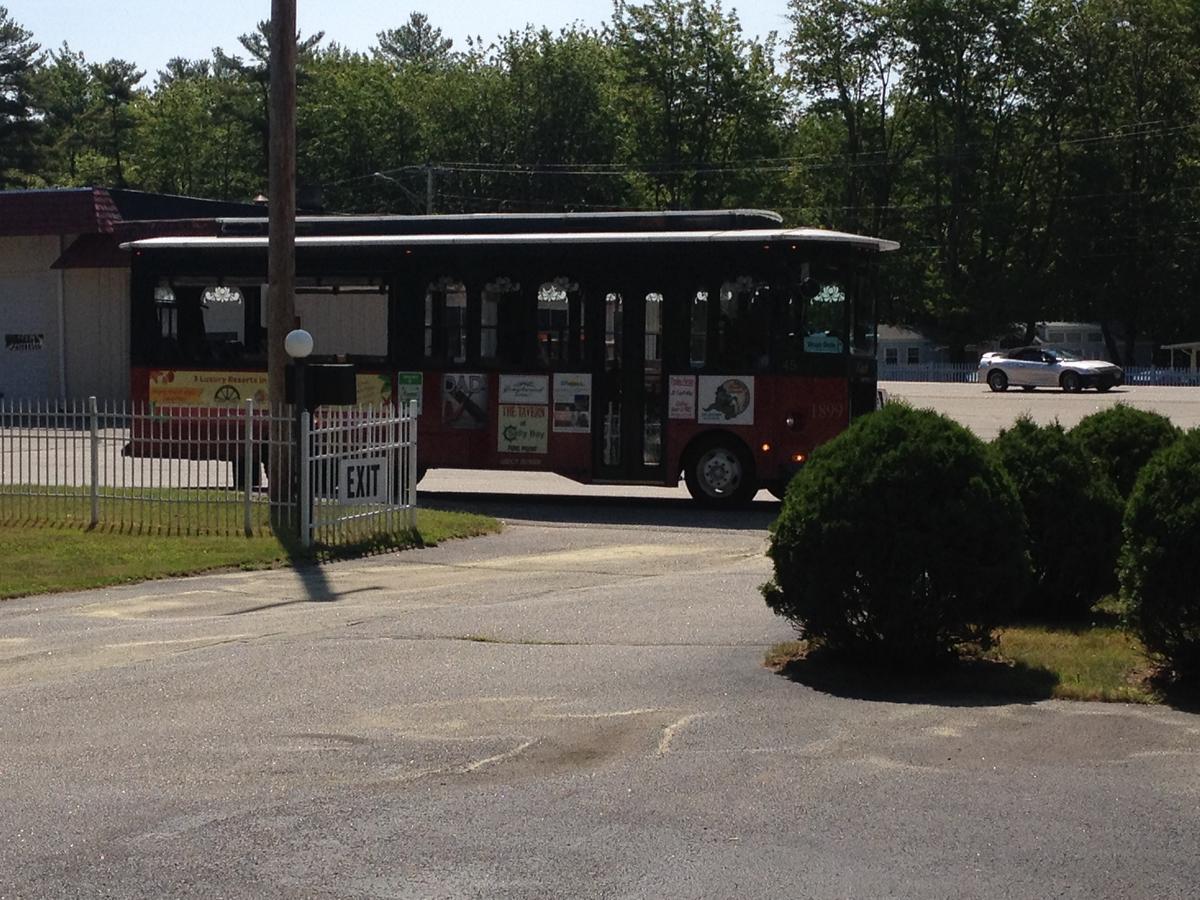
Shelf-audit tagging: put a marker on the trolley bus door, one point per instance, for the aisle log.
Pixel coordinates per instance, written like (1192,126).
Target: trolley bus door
(629,436)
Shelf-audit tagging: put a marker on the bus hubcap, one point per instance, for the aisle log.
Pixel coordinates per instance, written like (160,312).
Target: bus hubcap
(720,472)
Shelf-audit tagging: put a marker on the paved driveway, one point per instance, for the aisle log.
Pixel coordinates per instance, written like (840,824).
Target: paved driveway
(573,708)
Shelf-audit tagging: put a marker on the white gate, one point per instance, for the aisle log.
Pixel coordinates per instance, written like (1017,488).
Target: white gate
(358,471)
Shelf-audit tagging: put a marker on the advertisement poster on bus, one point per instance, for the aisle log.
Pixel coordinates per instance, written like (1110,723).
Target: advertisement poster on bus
(726,400)
(573,402)
(373,389)
(524,389)
(176,387)
(408,388)
(681,403)
(464,400)
(522,428)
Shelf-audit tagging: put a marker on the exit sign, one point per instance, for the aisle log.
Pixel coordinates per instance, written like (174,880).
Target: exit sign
(363,481)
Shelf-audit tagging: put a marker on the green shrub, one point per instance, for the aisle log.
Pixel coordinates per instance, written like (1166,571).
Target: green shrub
(1073,515)
(1121,439)
(1160,559)
(899,541)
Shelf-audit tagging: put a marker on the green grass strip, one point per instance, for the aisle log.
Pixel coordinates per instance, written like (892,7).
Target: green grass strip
(38,560)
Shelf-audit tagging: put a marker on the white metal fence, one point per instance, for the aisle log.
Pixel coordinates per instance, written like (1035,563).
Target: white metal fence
(360,472)
(208,470)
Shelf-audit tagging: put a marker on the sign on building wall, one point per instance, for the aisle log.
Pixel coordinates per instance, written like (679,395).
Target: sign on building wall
(21,342)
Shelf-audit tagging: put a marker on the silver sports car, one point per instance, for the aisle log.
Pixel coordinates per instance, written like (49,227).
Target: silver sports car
(1033,367)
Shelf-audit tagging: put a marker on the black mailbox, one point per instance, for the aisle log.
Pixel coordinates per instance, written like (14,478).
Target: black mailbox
(325,384)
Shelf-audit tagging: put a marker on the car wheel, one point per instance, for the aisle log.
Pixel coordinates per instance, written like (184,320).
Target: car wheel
(1104,384)
(997,380)
(1071,383)
(719,472)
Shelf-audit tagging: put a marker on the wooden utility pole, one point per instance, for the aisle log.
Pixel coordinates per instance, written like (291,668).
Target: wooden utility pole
(281,265)
(281,249)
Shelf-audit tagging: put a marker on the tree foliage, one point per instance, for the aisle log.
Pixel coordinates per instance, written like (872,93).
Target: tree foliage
(1037,159)
(19,59)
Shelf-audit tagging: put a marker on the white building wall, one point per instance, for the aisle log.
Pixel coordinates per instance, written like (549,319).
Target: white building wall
(97,333)
(30,358)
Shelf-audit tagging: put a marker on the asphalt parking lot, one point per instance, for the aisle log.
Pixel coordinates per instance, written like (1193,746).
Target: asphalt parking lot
(573,708)
(985,412)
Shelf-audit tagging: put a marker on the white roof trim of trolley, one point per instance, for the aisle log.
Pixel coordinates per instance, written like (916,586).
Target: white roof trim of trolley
(749,235)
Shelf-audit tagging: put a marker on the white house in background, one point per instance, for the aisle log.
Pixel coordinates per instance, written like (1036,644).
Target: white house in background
(900,346)
(1087,340)
(1081,338)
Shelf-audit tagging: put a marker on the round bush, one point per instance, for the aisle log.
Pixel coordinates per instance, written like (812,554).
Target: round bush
(1121,439)
(1160,559)
(1073,515)
(899,541)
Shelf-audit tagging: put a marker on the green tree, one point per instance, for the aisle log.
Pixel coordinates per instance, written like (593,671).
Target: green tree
(416,42)
(1130,71)
(190,139)
(561,96)
(63,89)
(844,66)
(19,58)
(357,121)
(701,101)
(111,114)
(248,83)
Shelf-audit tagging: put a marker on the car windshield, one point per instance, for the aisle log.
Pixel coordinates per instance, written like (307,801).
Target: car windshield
(1064,355)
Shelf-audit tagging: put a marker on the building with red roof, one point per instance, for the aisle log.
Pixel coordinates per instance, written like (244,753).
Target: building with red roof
(64,283)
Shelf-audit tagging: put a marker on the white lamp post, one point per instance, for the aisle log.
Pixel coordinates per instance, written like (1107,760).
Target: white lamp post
(299,344)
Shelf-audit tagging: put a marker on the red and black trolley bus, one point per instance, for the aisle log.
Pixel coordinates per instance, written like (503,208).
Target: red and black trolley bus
(624,348)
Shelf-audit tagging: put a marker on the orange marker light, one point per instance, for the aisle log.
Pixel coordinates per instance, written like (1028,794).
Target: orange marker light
(766,448)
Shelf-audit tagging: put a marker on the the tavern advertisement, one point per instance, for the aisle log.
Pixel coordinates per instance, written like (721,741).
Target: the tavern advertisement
(522,428)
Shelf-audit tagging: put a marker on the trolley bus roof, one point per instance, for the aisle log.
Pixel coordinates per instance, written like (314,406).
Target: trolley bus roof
(761,235)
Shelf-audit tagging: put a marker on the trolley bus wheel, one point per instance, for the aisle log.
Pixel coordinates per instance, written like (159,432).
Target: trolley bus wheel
(719,472)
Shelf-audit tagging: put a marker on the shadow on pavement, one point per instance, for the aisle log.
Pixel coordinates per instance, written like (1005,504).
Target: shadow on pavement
(974,682)
(583,510)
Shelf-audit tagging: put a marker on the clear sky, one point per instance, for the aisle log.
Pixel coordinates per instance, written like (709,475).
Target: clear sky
(149,32)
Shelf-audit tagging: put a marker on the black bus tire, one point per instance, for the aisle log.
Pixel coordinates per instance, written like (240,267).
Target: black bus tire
(719,472)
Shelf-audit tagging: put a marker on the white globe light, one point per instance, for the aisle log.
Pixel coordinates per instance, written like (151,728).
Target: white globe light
(298,343)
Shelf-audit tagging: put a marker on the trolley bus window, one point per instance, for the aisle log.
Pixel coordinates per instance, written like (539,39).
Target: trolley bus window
(652,382)
(502,322)
(744,324)
(614,325)
(446,321)
(826,310)
(560,323)
(699,330)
